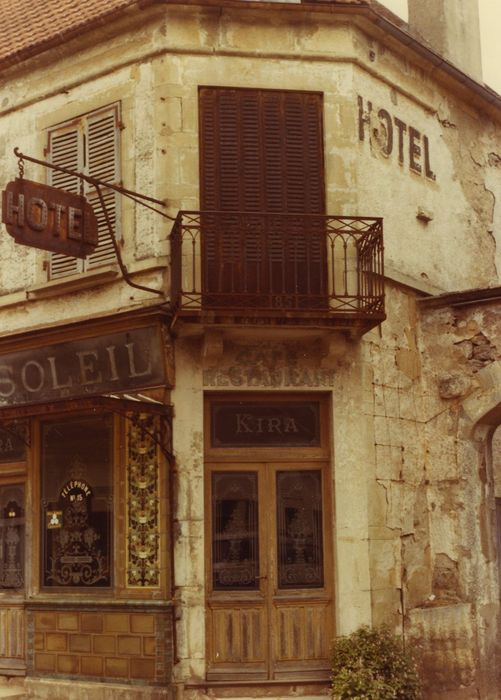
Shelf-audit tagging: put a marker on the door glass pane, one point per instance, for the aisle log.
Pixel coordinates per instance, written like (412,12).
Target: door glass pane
(76,481)
(299,529)
(235,550)
(12,536)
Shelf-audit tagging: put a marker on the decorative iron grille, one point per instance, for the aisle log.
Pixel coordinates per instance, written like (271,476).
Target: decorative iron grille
(143,510)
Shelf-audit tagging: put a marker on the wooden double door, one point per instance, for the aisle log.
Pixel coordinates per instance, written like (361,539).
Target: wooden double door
(269,607)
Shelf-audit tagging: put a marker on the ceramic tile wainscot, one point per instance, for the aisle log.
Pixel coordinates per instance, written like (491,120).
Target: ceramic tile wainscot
(92,642)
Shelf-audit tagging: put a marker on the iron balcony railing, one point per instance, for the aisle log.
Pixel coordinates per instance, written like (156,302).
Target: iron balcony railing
(298,266)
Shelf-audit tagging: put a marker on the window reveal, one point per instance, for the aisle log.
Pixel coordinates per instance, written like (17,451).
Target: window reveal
(76,484)
(12,536)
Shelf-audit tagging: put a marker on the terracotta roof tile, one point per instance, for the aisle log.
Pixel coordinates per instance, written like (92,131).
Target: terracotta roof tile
(29,26)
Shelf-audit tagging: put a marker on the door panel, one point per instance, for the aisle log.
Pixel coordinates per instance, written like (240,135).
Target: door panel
(12,632)
(239,638)
(280,624)
(303,634)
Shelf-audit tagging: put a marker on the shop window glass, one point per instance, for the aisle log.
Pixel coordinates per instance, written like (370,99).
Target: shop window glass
(76,490)
(11,536)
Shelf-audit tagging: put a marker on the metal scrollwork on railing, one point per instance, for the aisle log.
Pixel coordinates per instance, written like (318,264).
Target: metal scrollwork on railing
(275,264)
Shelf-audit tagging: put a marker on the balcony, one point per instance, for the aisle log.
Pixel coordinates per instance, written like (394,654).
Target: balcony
(297,270)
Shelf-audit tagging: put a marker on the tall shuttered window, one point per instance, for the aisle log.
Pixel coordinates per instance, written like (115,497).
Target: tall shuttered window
(88,144)
(261,152)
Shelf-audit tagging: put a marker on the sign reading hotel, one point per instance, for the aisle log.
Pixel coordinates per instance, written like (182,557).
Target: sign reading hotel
(123,361)
(49,218)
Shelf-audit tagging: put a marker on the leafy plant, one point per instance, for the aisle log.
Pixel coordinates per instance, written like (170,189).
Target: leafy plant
(371,664)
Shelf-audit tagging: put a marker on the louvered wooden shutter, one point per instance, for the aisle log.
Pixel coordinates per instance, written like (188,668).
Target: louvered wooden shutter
(262,151)
(90,145)
(66,150)
(103,163)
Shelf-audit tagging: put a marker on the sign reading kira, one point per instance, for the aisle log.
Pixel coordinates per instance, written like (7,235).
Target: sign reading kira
(122,361)
(253,424)
(49,218)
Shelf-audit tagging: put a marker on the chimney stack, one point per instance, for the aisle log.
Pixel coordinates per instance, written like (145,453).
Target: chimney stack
(452,29)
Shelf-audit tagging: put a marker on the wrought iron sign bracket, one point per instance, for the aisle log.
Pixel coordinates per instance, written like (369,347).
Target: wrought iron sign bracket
(98,184)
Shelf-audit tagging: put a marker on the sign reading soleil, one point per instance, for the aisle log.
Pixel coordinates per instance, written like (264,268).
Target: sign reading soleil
(49,218)
(121,361)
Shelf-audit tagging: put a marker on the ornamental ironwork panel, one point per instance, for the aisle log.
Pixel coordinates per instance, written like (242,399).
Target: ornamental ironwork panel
(76,479)
(12,536)
(235,550)
(299,529)
(143,509)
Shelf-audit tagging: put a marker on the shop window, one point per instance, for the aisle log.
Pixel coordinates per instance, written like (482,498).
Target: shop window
(11,536)
(76,492)
(89,144)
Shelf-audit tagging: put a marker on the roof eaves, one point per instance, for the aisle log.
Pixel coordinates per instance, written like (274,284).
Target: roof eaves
(58,38)
(463,298)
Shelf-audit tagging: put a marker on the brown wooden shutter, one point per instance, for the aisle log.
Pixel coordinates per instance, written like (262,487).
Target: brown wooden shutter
(262,151)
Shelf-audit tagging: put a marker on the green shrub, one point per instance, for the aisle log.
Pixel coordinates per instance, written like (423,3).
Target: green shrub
(370,664)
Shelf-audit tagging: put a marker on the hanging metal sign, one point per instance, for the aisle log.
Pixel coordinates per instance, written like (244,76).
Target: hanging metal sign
(46,217)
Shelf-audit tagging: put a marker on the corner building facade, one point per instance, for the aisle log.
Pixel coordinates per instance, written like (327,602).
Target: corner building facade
(270,428)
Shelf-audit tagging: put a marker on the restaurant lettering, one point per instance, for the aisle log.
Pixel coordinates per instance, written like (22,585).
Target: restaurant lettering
(395,136)
(87,367)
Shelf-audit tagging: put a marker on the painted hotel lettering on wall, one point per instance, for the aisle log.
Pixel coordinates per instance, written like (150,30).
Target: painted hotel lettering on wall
(117,362)
(396,136)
